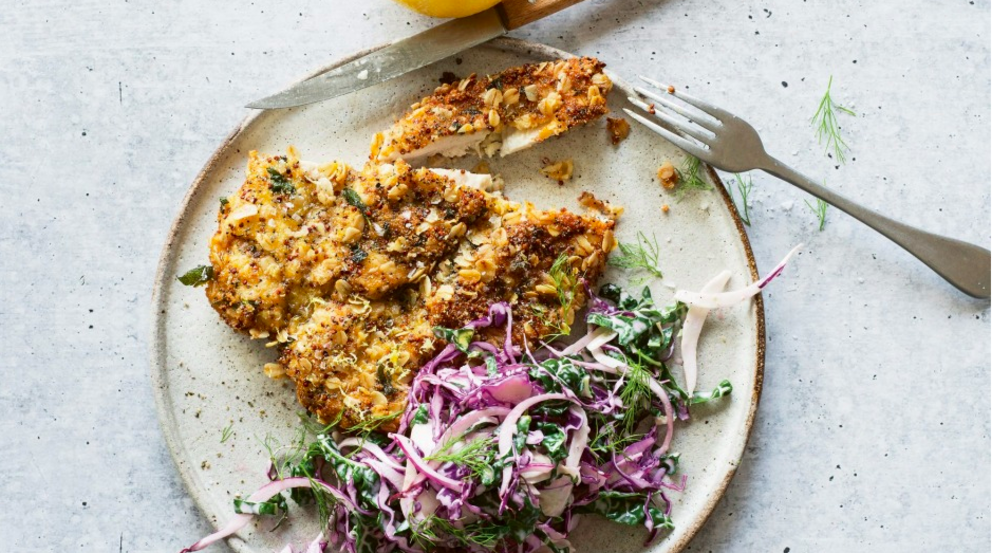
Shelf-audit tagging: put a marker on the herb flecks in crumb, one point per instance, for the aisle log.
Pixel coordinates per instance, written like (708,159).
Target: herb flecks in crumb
(385,380)
(743,185)
(355,201)
(689,177)
(641,255)
(280,184)
(827,128)
(566,283)
(197,276)
(820,209)
(358,255)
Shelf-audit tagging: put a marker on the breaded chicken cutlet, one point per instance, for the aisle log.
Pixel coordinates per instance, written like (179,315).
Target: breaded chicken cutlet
(506,112)
(349,273)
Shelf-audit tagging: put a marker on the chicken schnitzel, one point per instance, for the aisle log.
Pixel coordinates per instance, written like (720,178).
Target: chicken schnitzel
(353,275)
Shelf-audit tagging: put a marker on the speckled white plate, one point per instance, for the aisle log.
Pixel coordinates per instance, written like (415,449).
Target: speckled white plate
(208,378)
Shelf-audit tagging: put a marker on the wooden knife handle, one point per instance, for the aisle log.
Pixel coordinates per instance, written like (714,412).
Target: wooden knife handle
(517,13)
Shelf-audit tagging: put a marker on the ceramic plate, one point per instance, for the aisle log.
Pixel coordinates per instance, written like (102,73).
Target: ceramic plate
(208,378)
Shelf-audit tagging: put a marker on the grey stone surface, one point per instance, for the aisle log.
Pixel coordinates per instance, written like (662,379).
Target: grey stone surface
(873,430)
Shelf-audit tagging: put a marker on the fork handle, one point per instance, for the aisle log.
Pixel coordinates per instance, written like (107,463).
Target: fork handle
(966,266)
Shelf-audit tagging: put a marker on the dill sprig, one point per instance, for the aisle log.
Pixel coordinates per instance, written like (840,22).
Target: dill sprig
(475,455)
(820,209)
(323,499)
(608,440)
(642,255)
(743,185)
(226,433)
(432,530)
(689,178)
(827,128)
(634,391)
(566,282)
(373,423)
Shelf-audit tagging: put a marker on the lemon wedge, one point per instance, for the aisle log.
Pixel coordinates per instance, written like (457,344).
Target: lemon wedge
(448,8)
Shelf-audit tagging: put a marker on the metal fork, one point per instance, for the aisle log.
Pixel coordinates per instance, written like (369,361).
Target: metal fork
(729,143)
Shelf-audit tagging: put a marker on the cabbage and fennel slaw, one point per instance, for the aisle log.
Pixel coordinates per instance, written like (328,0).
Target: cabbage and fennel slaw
(504,449)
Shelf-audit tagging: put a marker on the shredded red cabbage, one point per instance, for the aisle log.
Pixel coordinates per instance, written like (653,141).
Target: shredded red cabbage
(500,451)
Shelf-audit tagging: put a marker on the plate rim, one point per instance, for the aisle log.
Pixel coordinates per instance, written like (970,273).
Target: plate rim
(158,369)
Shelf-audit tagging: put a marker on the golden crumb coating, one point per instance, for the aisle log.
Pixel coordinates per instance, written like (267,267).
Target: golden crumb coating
(537,261)
(513,109)
(354,360)
(275,247)
(351,272)
(413,218)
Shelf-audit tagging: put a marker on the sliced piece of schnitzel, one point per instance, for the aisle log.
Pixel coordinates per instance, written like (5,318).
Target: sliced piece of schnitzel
(505,112)
(277,245)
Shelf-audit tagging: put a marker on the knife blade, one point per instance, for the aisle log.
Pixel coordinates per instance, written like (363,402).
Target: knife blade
(413,52)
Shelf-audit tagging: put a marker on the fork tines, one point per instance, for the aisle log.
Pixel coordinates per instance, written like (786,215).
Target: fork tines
(690,125)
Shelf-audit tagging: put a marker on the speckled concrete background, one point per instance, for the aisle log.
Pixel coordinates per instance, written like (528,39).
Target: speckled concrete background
(873,432)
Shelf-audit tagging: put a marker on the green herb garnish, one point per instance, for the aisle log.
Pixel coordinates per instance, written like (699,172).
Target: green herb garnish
(226,433)
(689,178)
(197,276)
(820,209)
(492,369)
(355,201)
(460,338)
(723,389)
(642,255)
(744,185)
(280,184)
(385,380)
(358,255)
(628,508)
(434,530)
(373,423)
(827,128)
(224,201)
(566,283)
(607,441)
(274,506)
(634,394)
(478,456)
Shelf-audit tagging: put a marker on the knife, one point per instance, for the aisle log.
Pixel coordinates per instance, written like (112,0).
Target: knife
(414,52)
